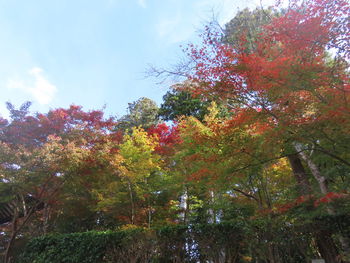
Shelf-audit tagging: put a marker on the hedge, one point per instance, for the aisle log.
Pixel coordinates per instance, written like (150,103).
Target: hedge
(175,243)
(233,241)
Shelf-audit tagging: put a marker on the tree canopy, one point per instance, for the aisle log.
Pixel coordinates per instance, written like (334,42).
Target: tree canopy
(252,164)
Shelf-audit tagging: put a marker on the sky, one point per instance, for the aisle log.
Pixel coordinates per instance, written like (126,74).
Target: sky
(95,53)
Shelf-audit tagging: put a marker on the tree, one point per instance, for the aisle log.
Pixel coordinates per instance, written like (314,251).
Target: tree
(20,113)
(177,103)
(137,181)
(39,174)
(223,158)
(143,113)
(247,26)
(41,155)
(288,87)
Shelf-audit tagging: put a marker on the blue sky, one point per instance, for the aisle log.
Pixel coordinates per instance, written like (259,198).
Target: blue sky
(95,52)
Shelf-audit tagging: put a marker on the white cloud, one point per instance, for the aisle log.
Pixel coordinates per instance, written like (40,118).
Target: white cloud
(142,3)
(37,86)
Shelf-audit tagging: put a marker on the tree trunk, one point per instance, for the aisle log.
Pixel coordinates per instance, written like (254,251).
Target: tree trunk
(322,182)
(12,238)
(46,215)
(149,212)
(211,211)
(132,203)
(300,175)
(326,247)
(184,204)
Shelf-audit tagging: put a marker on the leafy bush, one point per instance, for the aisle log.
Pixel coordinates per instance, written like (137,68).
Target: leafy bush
(284,237)
(88,247)
(173,243)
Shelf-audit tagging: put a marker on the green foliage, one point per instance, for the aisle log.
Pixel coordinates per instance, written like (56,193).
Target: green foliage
(172,243)
(248,24)
(229,241)
(143,113)
(178,103)
(86,247)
